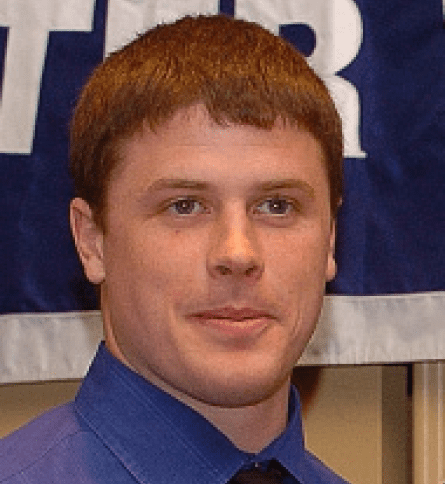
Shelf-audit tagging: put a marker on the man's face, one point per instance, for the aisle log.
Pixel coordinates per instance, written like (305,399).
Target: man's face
(213,264)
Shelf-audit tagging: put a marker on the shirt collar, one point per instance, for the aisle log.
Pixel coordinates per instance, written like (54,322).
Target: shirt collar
(159,439)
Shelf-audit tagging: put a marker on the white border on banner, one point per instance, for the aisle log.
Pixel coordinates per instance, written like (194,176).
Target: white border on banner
(352,330)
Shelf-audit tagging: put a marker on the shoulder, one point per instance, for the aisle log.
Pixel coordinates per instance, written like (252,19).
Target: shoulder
(46,448)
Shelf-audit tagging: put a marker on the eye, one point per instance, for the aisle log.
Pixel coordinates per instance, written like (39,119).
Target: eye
(277,206)
(185,206)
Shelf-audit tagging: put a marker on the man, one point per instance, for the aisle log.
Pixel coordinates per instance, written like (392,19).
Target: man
(207,163)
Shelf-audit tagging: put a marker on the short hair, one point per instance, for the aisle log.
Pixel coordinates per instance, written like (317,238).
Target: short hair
(242,73)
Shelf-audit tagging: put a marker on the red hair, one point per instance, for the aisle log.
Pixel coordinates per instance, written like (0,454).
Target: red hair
(242,73)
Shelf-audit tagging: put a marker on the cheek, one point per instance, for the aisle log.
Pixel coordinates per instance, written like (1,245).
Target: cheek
(296,265)
(169,260)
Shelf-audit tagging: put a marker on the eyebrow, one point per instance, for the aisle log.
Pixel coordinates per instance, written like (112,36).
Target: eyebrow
(269,186)
(288,183)
(172,183)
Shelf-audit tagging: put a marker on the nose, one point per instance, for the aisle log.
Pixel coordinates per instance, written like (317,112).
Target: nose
(234,250)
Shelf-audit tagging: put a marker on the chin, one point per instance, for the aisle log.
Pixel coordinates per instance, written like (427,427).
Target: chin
(239,390)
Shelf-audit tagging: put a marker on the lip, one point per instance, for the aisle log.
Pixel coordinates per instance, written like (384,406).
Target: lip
(234,314)
(233,322)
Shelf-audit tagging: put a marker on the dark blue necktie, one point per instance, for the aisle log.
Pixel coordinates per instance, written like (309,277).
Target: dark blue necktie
(273,475)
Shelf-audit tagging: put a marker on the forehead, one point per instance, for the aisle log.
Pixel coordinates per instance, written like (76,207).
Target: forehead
(192,145)
(202,130)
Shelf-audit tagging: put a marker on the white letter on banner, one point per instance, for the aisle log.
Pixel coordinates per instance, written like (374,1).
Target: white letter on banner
(338,29)
(29,23)
(127,18)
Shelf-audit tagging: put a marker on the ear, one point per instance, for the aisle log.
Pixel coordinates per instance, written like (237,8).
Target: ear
(331,267)
(88,238)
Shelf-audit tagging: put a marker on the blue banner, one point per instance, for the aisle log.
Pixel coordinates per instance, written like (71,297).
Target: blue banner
(382,60)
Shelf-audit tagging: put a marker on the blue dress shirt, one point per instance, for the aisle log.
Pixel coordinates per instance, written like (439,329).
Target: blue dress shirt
(122,429)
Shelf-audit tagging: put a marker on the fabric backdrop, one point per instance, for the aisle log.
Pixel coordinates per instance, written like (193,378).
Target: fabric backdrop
(384,64)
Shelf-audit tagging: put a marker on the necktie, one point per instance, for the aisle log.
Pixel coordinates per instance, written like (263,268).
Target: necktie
(273,475)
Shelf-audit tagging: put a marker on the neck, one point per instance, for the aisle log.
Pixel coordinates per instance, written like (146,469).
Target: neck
(250,428)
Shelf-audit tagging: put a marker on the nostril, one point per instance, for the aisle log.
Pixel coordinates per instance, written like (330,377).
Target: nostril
(223,270)
(251,270)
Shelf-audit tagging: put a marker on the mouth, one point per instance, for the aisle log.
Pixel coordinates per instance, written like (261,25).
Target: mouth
(233,322)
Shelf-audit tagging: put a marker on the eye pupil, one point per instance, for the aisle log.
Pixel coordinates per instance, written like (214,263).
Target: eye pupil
(278,205)
(184,206)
